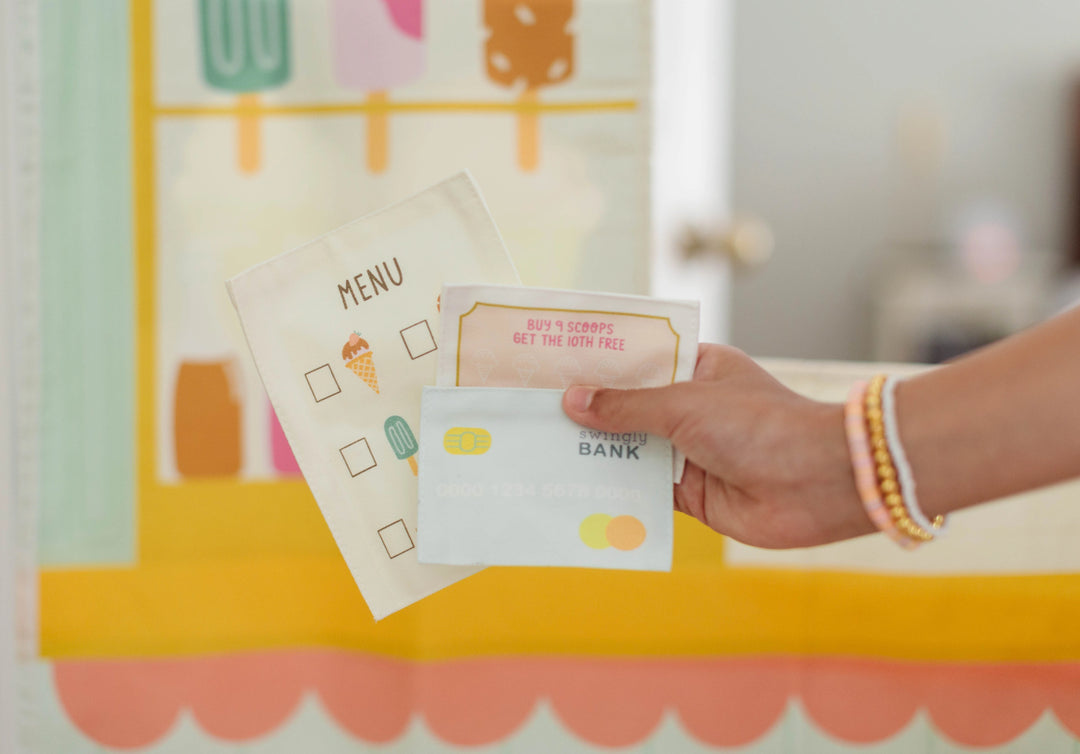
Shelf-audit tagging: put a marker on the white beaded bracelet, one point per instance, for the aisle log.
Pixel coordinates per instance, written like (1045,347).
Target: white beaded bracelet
(899,458)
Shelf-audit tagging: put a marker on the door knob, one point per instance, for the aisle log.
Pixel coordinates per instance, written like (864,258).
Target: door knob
(746,241)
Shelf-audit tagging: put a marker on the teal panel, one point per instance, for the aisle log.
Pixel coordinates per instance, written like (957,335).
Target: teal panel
(87,295)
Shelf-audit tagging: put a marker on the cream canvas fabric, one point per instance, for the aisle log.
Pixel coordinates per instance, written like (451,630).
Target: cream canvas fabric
(344,331)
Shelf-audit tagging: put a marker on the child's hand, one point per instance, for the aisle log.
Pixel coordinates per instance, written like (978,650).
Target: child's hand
(765,465)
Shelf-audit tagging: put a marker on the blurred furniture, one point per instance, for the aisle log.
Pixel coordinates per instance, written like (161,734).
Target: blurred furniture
(930,310)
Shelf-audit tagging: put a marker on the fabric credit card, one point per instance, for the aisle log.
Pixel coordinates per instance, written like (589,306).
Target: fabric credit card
(502,336)
(345,331)
(507,479)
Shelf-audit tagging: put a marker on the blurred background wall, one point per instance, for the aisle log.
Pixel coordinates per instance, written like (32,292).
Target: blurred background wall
(864,131)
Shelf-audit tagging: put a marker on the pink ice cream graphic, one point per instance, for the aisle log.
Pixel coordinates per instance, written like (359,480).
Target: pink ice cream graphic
(280,451)
(378,45)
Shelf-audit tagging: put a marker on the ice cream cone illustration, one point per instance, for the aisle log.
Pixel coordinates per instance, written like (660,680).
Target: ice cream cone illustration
(526,366)
(648,375)
(607,371)
(360,358)
(402,440)
(568,368)
(485,362)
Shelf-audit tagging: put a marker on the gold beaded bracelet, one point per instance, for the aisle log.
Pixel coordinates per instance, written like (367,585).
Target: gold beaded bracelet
(888,484)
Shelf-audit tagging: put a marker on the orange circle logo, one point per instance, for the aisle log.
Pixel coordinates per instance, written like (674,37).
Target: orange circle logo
(601,531)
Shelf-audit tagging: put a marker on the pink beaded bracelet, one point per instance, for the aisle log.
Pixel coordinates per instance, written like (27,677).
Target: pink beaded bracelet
(863,466)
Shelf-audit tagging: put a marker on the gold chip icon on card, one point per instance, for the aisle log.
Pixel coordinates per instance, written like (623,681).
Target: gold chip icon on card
(466,441)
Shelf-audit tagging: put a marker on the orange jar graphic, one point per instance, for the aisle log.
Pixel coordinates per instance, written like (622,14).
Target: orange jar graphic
(206,419)
(206,416)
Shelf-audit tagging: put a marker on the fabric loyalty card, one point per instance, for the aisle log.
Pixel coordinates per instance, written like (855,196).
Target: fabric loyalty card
(507,479)
(345,331)
(499,336)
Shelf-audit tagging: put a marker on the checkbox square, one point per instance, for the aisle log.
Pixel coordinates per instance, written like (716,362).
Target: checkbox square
(418,339)
(395,538)
(322,383)
(358,457)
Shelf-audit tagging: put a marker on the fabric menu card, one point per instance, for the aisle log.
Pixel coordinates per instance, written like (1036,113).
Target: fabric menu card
(345,331)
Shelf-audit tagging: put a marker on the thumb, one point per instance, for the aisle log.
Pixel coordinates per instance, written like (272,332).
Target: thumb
(657,410)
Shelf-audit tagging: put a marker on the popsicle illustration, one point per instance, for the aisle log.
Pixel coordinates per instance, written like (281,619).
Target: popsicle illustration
(245,49)
(378,45)
(402,440)
(528,43)
(485,361)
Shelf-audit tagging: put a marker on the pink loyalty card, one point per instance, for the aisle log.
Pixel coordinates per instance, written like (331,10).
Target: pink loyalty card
(507,336)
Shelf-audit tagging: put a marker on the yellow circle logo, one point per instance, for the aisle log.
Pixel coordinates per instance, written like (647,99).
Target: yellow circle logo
(601,531)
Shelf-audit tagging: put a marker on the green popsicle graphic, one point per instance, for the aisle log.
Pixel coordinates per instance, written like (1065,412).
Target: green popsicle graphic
(401,439)
(245,49)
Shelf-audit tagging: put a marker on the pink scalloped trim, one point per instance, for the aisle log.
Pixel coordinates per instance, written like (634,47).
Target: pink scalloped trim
(610,702)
